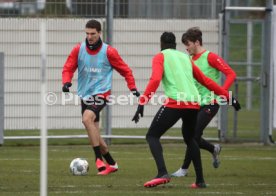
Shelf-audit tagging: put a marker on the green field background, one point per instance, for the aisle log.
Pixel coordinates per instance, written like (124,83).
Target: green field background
(246,169)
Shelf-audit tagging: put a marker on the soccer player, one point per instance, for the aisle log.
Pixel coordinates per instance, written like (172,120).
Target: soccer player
(177,73)
(211,65)
(95,62)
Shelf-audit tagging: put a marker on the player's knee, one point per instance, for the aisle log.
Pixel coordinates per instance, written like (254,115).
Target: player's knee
(150,137)
(188,140)
(197,139)
(86,119)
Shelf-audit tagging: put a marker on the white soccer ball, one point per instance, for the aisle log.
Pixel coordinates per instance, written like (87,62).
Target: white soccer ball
(79,167)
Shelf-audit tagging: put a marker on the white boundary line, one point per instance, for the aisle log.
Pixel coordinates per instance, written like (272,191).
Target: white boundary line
(103,136)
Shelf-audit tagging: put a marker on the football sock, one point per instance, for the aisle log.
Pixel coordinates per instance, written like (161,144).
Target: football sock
(109,159)
(97,151)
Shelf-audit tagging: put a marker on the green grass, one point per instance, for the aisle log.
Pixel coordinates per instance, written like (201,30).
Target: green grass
(245,170)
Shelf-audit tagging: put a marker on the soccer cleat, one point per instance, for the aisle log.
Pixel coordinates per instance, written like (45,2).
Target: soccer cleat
(109,169)
(180,173)
(216,161)
(157,181)
(198,185)
(100,165)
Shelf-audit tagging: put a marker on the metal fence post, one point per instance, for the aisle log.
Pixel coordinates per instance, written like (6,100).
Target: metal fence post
(2,95)
(266,87)
(225,44)
(249,65)
(213,9)
(273,70)
(109,29)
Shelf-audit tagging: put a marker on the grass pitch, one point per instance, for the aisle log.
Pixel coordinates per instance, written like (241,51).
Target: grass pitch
(245,170)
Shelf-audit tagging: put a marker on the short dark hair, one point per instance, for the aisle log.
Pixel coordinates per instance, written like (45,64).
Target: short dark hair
(193,34)
(94,24)
(167,40)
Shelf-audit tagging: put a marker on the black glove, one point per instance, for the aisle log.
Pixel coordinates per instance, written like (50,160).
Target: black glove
(235,104)
(135,92)
(140,111)
(66,86)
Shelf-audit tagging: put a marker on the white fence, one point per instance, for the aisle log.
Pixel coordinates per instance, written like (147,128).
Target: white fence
(137,40)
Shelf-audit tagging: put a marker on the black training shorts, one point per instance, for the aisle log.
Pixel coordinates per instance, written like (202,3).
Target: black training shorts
(95,103)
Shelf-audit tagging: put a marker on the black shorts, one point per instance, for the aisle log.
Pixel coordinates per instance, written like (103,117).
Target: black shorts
(167,117)
(95,104)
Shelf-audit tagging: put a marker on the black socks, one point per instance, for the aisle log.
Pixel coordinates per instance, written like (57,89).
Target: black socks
(97,151)
(109,159)
(106,156)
